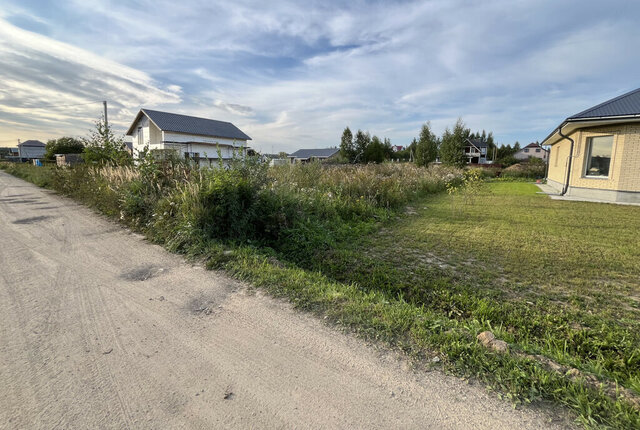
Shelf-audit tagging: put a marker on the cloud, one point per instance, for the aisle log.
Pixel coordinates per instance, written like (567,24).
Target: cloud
(295,74)
(44,80)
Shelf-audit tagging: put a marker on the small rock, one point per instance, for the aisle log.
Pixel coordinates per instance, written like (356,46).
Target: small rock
(435,359)
(227,252)
(499,346)
(486,337)
(108,351)
(228,394)
(489,341)
(161,298)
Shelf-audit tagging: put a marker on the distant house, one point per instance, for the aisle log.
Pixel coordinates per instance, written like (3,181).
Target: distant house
(596,153)
(8,151)
(532,150)
(476,151)
(31,149)
(307,155)
(198,139)
(397,148)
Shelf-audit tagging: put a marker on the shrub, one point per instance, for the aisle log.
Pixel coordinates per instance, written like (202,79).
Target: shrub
(531,170)
(63,145)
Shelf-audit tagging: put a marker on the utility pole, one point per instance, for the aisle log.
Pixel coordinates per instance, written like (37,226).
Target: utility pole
(106,121)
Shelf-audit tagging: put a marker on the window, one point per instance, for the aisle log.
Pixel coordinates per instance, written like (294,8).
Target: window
(598,155)
(526,149)
(192,155)
(537,149)
(140,138)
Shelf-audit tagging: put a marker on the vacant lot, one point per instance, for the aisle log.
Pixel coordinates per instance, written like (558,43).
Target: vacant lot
(556,278)
(385,252)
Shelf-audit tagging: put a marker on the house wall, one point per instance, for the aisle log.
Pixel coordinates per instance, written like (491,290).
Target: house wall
(139,142)
(521,155)
(630,160)
(31,151)
(624,173)
(207,146)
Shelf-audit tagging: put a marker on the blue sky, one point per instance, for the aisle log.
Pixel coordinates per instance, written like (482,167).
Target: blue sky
(294,74)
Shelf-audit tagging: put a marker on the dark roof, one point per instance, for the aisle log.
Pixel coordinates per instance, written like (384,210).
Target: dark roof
(478,143)
(190,124)
(626,104)
(33,143)
(532,145)
(318,153)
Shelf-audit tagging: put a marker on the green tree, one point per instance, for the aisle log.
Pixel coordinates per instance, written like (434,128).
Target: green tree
(103,147)
(427,146)
(376,151)
(347,146)
(388,148)
(362,140)
(452,145)
(63,145)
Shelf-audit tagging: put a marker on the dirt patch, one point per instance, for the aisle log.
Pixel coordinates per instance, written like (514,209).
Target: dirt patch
(142,273)
(203,305)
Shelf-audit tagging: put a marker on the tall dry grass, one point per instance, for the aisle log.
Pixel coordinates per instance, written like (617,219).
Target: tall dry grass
(387,185)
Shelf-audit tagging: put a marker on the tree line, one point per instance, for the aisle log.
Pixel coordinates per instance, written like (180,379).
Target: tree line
(427,148)
(100,147)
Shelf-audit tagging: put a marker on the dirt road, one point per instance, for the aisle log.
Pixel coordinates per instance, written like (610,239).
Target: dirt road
(100,329)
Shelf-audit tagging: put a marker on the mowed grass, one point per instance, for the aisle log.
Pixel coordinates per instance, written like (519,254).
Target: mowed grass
(556,278)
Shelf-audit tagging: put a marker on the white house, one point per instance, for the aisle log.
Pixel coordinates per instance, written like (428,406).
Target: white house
(532,150)
(199,139)
(475,150)
(31,149)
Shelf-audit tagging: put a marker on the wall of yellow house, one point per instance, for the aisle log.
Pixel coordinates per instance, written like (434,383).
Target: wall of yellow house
(630,163)
(624,170)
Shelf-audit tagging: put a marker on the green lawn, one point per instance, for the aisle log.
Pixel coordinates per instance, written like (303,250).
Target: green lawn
(520,249)
(555,278)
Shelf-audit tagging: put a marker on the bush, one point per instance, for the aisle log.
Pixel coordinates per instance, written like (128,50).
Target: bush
(531,170)
(63,145)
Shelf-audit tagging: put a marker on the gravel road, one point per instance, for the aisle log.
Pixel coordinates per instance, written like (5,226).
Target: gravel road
(100,329)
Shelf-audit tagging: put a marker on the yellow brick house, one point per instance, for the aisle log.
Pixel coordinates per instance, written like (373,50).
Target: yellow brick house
(595,154)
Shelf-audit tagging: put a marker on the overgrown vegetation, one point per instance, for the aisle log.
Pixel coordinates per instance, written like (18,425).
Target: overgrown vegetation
(378,250)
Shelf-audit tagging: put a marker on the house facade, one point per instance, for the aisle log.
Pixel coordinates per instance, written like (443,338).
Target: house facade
(31,149)
(476,151)
(596,153)
(206,141)
(308,155)
(532,150)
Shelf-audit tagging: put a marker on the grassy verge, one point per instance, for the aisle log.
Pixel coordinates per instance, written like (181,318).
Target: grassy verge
(540,274)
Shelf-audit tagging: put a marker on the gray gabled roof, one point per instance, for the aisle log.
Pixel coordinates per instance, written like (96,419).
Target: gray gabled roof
(624,108)
(177,123)
(32,143)
(318,153)
(626,104)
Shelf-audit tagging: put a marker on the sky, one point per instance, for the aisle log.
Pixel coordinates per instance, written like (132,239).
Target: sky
(294,74)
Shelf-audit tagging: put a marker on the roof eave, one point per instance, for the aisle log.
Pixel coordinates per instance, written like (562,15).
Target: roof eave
(599,120)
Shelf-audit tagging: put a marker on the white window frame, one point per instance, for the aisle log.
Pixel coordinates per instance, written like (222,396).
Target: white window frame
(587,156)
